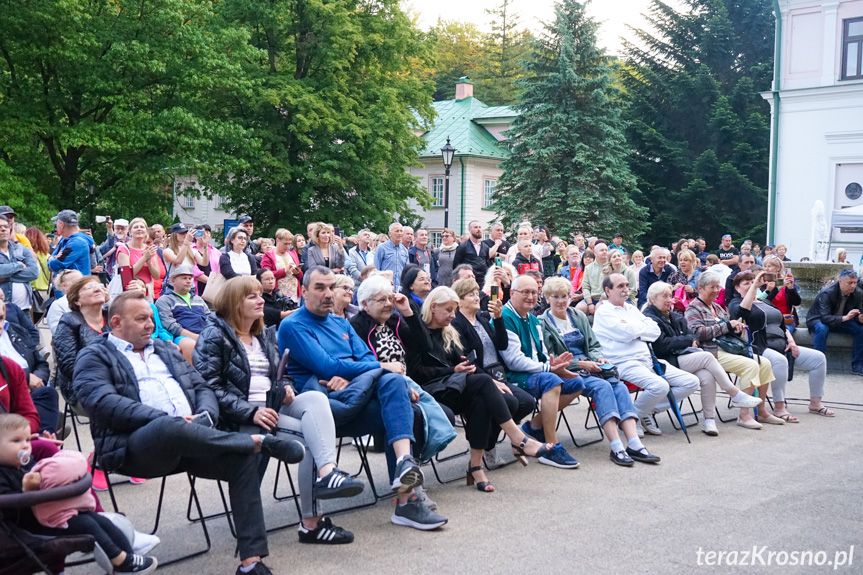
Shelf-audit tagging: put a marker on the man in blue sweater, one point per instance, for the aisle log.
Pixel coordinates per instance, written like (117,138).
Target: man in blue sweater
(366,397)
(73,251)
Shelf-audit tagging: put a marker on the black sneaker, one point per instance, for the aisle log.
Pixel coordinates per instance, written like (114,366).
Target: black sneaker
(415,514)
(642,455)
(287,450)
(408,475)
(258,569)
(137,564)
(621,458)
(325,533)
(337,484)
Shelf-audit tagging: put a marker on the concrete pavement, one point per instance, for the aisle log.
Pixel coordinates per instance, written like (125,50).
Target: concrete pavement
(791,488)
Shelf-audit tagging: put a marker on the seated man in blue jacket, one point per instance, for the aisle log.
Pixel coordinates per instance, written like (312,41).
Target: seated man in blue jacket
(327,354)
(152,415)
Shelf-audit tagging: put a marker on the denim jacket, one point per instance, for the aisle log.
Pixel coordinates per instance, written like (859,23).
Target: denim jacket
(13,270)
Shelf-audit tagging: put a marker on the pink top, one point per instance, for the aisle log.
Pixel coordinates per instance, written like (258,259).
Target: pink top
(63,468)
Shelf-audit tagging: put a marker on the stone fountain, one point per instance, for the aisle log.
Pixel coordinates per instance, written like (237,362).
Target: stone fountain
(813,275)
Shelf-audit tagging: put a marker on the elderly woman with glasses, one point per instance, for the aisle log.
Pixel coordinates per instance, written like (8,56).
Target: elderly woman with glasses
(565,329)
(344,295)
(707,321)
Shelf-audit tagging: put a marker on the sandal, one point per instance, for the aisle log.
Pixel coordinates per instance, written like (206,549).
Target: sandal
(823,412)
(788,418)
(521,455)
(484,486)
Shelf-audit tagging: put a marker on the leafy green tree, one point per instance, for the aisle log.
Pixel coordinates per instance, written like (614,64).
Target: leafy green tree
(101,100)
(568,167)
(343,94)
(458,50)
(699,128)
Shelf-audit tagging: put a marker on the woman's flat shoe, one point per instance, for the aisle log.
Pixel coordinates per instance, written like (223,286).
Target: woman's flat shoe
(823,412)
(749,424)
(484,486)
(788,418)
(771,419)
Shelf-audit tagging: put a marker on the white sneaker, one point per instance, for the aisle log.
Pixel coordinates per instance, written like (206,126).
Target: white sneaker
(143,543)
(649,426)
(709,427)
(746,401)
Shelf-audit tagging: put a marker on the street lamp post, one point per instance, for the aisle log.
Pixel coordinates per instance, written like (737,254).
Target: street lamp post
(447,153)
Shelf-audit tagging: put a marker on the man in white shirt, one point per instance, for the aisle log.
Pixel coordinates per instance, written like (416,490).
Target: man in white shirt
(624,333)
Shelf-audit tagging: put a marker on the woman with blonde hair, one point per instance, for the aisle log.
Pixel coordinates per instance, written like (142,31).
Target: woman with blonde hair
(456,382)
(344,295)
(285,265)
(324,251)
(239,360)
(140,256)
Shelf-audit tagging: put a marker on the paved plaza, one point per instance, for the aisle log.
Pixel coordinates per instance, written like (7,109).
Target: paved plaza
(791,488)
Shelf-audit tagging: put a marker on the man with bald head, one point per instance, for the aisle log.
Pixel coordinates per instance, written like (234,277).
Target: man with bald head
(392,255)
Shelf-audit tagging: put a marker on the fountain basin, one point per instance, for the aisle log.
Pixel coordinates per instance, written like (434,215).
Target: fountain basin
(810,277)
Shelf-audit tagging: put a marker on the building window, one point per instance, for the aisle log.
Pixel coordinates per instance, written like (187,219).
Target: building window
(220,201)
(436,191)
(188,202)
(489,186)
(852,49)
(435,239)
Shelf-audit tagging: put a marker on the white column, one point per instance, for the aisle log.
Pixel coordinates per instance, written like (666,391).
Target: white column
(831,43)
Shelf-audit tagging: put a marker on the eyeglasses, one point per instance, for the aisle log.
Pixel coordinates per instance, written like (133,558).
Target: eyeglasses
(378,300)
(526,293)
(423,280)
(558,297)
(348,289)
(93,286)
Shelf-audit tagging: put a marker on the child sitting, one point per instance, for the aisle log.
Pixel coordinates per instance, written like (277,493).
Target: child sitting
(73,516)
(525,260)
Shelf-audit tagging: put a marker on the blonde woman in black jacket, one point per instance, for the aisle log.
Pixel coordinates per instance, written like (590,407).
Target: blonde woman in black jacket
(239,359)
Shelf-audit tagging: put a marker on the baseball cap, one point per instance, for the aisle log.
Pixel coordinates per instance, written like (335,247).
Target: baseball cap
(6,211)
(618,235)
(244,219)
(178,229)
(67,217)
(122,222)
(182,270)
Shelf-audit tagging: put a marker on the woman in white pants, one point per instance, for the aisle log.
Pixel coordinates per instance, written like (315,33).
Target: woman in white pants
(772,340)
(679,347)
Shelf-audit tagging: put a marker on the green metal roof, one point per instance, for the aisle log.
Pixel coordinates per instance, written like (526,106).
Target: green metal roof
(497,112)
(455,119)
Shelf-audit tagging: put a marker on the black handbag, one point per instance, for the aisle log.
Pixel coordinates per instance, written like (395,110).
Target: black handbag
(732,344)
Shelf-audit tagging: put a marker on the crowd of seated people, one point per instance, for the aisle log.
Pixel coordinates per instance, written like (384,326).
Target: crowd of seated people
(172,347)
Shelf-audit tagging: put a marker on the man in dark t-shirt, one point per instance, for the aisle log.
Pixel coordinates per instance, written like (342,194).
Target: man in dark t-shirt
(497,246)
(728,254)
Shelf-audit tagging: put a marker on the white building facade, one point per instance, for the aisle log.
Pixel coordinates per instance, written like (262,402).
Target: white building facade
(817,130)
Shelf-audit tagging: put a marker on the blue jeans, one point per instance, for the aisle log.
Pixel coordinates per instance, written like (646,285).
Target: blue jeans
(610,400)
(854,327)
(539,383)
(389,412)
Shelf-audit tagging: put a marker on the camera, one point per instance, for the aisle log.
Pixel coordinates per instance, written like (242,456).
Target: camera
(102,219)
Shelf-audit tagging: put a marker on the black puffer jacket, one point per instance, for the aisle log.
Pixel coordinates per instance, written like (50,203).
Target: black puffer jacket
(221,359)
(675,334)
(71,336)
(20,339)
(106,386)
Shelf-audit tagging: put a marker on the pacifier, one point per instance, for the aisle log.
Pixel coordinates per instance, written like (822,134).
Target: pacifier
(24,456)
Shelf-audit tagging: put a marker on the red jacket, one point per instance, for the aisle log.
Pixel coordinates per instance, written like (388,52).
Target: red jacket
(19,392)
(269,262)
